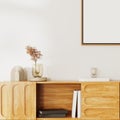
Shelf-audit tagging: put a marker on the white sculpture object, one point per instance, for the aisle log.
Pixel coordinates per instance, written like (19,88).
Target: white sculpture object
(18,74)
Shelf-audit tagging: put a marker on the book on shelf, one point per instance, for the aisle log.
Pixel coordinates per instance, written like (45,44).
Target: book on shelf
(49,113)
(54,115)
(76,104)
(52,111)
(79,104)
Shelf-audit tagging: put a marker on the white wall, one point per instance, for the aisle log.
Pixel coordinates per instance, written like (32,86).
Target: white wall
(54,27)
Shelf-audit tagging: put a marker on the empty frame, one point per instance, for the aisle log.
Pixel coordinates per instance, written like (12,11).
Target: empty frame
(100,21)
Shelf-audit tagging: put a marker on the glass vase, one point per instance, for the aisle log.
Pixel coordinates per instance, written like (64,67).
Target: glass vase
(37,70)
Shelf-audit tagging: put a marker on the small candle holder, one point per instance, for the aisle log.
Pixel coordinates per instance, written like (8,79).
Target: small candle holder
(93,72)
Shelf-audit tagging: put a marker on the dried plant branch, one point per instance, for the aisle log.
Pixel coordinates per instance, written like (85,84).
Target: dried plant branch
(34,53)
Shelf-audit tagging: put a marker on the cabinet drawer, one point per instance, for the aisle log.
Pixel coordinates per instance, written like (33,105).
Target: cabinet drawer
(100,100)
(103,113)
(100,88)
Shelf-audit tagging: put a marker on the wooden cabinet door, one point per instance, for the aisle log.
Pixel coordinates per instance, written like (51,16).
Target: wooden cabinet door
(23,100)
(4,101)
(100,100)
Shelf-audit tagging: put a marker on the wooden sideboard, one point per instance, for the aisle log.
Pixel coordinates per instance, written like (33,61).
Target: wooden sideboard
(21,100)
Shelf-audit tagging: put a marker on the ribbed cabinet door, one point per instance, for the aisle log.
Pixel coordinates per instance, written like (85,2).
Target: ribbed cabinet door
(23,101)
(100,100)
(4,101)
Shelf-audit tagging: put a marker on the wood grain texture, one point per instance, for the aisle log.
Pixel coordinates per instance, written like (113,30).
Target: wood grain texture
(56,96)
(100,100)
(4,101)
(23,100)
(17,100)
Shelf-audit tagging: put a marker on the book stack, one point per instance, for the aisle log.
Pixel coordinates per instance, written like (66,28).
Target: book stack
(76,104)
(52,113)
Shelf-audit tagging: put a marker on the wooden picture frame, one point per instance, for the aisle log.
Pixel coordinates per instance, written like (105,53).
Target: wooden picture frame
(100,22)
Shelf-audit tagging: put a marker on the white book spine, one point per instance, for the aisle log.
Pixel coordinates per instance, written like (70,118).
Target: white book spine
(79,105)
(74,104)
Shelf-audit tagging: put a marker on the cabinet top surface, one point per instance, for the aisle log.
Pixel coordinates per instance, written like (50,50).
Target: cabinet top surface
(60,82)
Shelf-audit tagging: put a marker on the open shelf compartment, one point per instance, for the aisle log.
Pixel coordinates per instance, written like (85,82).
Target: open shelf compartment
(55,96)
